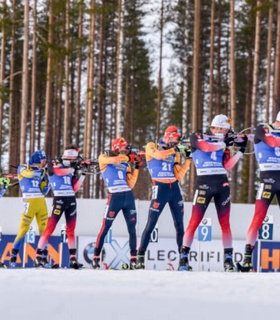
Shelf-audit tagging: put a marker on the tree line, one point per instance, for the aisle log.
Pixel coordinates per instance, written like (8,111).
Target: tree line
(82,72)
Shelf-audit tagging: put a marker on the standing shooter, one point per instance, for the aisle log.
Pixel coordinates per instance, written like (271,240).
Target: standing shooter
(212,160)
(163,161)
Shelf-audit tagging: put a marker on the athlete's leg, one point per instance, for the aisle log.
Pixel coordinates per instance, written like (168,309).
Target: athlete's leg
(57,211)
(30,209)
(222,203)
(160,194)
(264,197)
(112,208)
(130,216)
(176,204)
(202,198)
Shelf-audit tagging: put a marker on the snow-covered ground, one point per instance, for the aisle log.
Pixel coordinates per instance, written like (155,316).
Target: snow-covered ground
(138,295)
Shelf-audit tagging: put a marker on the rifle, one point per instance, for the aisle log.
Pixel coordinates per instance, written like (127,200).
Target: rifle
(136,156)
(91,165)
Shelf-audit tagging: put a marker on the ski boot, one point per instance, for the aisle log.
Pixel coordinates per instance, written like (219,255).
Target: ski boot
(228,263)
(45,261)
(247,262)
(38,262)
(131,266)
(133,263)
(140,262)
(96,263)
(13,260)
(2,265)
(184,260)
(74,264)
(184,264)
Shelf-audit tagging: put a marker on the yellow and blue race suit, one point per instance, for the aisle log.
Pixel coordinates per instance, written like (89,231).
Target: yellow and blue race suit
(34,186)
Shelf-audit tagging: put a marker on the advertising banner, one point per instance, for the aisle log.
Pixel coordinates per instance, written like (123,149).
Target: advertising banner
(160,255)
(269,256)
(27,251)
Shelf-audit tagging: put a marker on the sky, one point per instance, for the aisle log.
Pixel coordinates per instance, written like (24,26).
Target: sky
(138,295)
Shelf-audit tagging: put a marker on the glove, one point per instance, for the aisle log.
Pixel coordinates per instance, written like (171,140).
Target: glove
(188,153)
(229,140)
(78,166)
(122,158)
(138,164)
(180,148)
(184,151)
(241,142)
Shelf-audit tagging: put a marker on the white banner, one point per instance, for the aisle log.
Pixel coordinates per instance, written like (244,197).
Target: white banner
(161,255)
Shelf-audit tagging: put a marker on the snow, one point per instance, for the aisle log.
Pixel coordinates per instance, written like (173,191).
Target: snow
(142,294)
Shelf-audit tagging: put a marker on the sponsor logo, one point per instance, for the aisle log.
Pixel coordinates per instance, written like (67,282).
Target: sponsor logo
(266,195)
(204,186)
(268,186)
(201,200)
(202,193)
(204,221)
(73,213)
(226,201)
(57,211)
(89,252)
(156,205)
(111,214)
(270,180)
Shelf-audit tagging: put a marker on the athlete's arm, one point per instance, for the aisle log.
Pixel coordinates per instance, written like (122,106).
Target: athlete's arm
(263,134)
(153,152)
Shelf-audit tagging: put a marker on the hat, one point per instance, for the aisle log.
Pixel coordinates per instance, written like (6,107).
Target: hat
(172,131)
(70,154)
(278,116)
(118,143)
(37,156)
(221,121)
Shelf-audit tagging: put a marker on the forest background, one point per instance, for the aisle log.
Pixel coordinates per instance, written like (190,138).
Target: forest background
(88,71)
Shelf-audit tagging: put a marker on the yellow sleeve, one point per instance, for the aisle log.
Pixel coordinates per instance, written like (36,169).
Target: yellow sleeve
(26,173)
(180,171)
(103,160)
(131,177)
(153,152)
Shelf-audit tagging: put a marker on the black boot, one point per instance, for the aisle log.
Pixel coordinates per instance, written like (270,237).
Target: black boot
(45,261)
(133,263)
(96,262)
(247,265)
(228,263)
(13,260)
(74,264)
(184,260)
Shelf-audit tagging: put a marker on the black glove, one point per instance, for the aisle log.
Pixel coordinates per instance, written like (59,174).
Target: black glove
(188,153)
(229,139)
(241,142)
(137,165)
